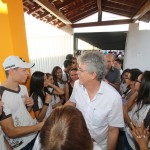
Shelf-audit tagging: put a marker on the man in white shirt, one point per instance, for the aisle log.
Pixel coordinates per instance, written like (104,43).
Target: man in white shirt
(100,103)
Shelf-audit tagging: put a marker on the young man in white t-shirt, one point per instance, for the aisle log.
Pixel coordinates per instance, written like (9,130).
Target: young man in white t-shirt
(17,124)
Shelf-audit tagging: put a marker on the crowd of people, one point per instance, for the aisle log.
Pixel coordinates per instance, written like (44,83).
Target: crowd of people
(90,103)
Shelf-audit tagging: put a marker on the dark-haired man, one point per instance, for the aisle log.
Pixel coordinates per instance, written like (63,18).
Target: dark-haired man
(67,67)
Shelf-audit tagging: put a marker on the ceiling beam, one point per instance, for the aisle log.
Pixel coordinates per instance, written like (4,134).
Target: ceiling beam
(99,5)
(103,23)
(144,9)
(127,3)
(68,29)
(50,8)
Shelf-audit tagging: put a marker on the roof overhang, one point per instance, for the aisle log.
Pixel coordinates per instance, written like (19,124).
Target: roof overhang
(104,40)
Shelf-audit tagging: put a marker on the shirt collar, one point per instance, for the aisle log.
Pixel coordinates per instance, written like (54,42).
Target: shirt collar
(101,88)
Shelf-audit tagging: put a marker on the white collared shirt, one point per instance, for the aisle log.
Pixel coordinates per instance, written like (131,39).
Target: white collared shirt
(104,110)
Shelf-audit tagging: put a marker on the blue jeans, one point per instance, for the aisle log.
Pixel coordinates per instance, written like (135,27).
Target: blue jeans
(126,145)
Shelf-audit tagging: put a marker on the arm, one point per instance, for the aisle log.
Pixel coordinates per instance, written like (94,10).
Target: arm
(132,100)
(113,133)
(66,89)
(127,107)
(57,90)
(40,114)
(1,107)
(13,132)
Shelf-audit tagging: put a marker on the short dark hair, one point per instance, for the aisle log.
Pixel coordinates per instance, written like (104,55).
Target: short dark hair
(67,63)
(69,56)
(120,61)
(65,129)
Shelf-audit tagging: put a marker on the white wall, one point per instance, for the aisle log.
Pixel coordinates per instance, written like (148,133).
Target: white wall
(47,46)
(137,51)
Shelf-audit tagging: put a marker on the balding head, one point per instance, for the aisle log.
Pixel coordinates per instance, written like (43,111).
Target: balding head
(109,58)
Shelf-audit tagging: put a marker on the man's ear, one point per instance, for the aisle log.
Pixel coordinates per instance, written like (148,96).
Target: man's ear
(94,75)
(10,71)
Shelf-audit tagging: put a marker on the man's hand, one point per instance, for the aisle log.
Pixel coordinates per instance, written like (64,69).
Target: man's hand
(28,101)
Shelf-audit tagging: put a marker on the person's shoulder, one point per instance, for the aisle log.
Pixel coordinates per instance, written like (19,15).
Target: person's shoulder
(76,83)
(115,69)
(2,89)
(110,89)
(22,86)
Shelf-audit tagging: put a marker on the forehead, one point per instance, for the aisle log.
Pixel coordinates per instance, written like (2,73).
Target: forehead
(59,70)
(116,62)
(140,76)
(73,71)
(129,74)
(126,73)
(82,65)
(19,69)
(50,77)
(108,58)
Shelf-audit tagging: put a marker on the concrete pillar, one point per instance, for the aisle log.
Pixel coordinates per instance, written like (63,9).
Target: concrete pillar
(12,29)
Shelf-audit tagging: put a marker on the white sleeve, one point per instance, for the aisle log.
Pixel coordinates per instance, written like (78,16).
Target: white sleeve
(115,117)
(72,97)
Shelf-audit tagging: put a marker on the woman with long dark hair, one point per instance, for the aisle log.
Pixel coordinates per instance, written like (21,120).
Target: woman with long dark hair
(57,76)
(139,104)
(41,96)
(73,77)
(55,90)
